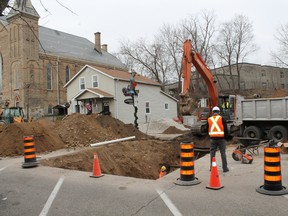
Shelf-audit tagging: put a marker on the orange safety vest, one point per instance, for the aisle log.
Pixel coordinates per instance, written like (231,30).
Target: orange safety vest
(216,127)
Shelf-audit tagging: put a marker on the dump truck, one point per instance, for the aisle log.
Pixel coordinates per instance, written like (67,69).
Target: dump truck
(262,118)
(12,115)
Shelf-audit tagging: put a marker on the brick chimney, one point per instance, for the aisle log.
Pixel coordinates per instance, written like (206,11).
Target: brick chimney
(105,47)
(98,41)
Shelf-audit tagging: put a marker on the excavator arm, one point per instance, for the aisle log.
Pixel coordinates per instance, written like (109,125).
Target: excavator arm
(193,58)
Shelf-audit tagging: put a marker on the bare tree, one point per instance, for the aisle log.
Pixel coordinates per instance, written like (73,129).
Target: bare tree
(281,55)
(235,43)
(159,59)
(201,30)
(173,46)
(149,58)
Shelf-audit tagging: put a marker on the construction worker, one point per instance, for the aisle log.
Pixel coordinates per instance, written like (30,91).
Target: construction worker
(163,172)
(217,129)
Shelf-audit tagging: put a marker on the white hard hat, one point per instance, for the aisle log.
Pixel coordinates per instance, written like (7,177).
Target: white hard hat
(216,109)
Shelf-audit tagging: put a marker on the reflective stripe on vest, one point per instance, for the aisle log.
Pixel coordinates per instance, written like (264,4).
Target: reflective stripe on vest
(216,128)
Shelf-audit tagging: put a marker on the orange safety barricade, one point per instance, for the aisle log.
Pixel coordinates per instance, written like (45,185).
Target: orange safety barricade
(187,174)
(29,152)
(272,173)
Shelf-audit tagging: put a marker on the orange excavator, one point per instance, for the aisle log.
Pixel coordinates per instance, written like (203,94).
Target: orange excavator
(186,102)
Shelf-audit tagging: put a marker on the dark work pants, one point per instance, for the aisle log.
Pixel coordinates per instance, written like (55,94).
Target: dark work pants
(221,144)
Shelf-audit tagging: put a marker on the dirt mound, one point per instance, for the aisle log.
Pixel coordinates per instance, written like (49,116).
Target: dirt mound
(78,130)
(173,130)
(141,158)
(46,140)
(75,130)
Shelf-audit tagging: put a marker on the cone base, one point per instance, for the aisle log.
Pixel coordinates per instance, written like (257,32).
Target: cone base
(214,188)
(30,164)
(97,176)
(187,183)
(272,193)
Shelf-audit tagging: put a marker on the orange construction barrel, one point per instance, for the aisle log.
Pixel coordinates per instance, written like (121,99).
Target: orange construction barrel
(29,152)
(187,174)
(272,173)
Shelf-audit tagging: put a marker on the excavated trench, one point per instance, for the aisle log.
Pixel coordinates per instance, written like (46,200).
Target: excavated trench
(141,157)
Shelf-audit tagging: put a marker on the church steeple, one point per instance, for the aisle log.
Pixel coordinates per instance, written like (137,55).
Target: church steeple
(24,7)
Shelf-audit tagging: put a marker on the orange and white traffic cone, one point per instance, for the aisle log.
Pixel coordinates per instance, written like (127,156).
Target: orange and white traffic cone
(96,167)
(214,177)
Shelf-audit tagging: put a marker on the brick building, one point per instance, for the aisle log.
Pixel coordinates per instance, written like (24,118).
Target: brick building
(36,62)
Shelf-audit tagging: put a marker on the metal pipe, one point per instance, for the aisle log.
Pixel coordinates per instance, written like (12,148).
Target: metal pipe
(112,141)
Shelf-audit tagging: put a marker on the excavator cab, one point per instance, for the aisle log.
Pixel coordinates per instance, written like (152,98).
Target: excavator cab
(227,106)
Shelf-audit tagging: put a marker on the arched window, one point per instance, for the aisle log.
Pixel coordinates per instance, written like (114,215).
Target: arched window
(31,73)
(16,76)
(67,74)
(1,74)
(49,76)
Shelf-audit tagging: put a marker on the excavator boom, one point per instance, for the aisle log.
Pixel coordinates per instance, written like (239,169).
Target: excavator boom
(193,58)
(190,57)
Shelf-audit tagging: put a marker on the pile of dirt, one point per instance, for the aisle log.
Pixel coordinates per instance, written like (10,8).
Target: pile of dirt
(141,158)
(173,130)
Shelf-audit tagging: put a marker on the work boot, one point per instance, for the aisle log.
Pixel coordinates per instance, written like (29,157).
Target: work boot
(225,170)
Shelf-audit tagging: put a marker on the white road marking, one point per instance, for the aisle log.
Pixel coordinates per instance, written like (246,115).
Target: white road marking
(286,196)
(51,198)
(169,203)
(3,169)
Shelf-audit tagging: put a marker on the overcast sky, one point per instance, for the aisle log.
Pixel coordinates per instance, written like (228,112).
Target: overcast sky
(132,19)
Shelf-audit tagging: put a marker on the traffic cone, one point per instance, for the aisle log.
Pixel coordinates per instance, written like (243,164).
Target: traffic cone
(96,167)
(214,177)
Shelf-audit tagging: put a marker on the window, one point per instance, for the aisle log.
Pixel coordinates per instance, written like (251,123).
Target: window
(147,108)
(281,74)
(16,76)
(95,83)
(166,106)
(82,83)
(242,85)
(264,85)
(282,85)
(31,72)
(49,76)
(263,73)
(67,78)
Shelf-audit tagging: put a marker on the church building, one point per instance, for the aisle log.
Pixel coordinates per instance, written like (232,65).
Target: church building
(36,62)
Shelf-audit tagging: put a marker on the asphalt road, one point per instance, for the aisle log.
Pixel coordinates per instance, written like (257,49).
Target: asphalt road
(52,191)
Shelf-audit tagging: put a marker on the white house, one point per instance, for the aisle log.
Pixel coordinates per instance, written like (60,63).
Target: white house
(102,88)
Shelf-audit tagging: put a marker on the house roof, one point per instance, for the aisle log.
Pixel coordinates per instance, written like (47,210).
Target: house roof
(62,44)
(97,92)
(66,45)
(115,74)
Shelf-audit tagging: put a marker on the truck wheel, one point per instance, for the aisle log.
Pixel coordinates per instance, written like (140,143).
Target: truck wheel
(252,132)
(278,133)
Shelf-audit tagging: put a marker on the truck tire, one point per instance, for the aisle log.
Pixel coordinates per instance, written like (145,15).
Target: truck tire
(252,132)
(278,133)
